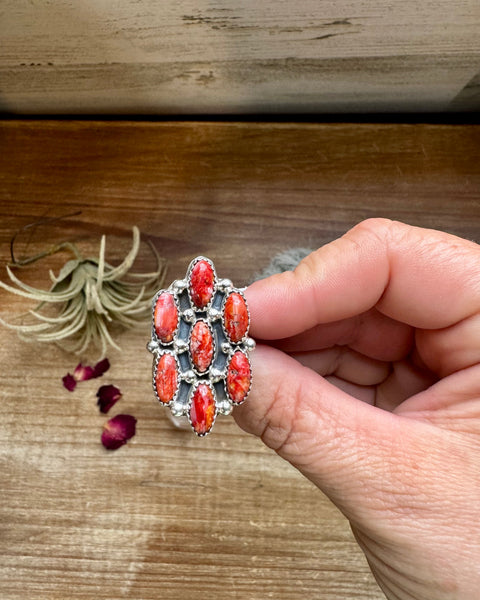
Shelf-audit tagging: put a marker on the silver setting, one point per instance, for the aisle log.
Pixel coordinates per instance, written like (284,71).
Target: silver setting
(179,422)
(177,409)
(180,345)
(214,314)
(225,407)
(179,285)
(226,347)
(152,346)
(216,375)
(188,377)
(249,344)
(224,285)
(189,315)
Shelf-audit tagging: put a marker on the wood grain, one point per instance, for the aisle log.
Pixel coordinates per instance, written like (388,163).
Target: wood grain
(171,516)
(206,57)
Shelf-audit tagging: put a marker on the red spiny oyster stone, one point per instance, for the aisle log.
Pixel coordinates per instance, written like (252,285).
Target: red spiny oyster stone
(239,377)
(201,346)
(165,317)
(202,409)
(202,283)
(235,317)
(166,378)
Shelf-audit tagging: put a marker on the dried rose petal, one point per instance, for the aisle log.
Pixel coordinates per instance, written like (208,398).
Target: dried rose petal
(101,367)
(69,382)
(107,396)
(117,431)
(85,372)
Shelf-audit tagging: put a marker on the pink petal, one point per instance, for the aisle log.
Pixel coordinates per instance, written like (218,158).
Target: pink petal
(101,367)
(107,396)
(82,373)
(69,382)
(117,431)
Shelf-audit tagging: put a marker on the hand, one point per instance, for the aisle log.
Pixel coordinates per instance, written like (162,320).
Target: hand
(370,386)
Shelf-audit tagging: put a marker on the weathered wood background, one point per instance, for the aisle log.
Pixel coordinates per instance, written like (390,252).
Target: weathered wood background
(170,516)
(247,56)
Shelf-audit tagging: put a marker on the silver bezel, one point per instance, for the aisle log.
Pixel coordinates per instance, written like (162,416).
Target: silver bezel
(191,266)
(190,399)
(245,353)
(156,360)
(155,337)
(227,294)
(212,333)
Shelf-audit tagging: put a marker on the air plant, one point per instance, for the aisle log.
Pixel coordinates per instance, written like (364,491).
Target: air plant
(91,296)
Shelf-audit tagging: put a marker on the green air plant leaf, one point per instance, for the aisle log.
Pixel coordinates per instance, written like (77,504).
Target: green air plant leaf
(90,296)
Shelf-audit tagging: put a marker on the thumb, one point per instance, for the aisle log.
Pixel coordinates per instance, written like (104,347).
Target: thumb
(351,450)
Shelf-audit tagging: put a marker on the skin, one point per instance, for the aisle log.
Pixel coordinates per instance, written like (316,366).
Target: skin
(367,379)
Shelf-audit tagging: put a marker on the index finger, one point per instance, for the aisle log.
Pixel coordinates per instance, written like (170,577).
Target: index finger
(425,278)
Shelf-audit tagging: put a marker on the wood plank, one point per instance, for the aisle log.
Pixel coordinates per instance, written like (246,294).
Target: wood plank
(186,57)
(171,516)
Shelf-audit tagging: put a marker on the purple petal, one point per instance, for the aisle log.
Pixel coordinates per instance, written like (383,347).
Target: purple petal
(69,382)
(117,431)
(101,367)
(82,373)
(107,396)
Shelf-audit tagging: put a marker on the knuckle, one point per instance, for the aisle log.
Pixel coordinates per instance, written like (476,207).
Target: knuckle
(385,230)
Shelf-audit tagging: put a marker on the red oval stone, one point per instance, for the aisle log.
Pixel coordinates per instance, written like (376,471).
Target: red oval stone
(239,377)
(166,378)
(202,409)
(201,346)
(202,283)
(235,317)
(165,317)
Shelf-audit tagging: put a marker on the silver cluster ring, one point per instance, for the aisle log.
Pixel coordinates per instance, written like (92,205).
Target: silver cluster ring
(200,346)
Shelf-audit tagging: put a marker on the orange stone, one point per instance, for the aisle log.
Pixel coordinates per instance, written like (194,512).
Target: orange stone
(235,317)
(202,283)
(165,317)
(166,378)
(202,409)
(239,377)
(201,346)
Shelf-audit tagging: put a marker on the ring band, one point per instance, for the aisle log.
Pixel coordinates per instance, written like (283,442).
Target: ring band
(200,346)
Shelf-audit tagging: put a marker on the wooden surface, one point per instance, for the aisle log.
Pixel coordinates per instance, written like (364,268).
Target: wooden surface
(171,516)
(157,56)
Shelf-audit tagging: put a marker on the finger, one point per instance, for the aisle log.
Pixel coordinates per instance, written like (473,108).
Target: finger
(346,364)
(453,348)
(410,274)
(403,382)
(344,446)
(452,403)
(365,393)
(371,333)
